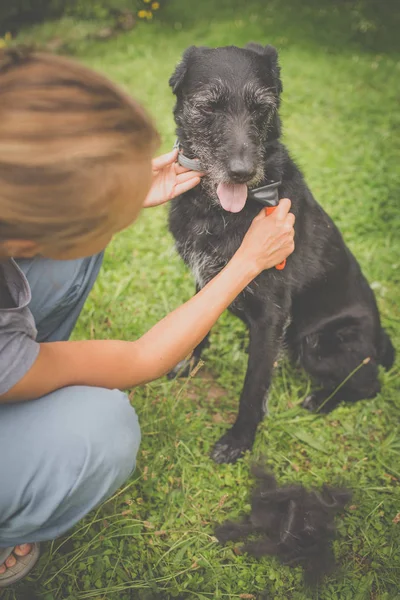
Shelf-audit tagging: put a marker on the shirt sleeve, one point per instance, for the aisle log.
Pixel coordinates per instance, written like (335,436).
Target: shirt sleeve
(18,346)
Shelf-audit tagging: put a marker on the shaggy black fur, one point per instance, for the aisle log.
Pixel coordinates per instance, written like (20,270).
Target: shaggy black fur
(290,522)
(320,307)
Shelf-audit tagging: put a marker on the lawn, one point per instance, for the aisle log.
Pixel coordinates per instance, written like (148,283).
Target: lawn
(154,539)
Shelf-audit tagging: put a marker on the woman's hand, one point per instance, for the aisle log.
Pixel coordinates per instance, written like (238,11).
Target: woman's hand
(169,179)
(269,240)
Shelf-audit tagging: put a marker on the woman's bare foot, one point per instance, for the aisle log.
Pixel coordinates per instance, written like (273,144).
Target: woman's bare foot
(21,550)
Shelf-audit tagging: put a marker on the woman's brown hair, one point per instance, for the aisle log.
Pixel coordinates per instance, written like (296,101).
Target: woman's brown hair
(67,138)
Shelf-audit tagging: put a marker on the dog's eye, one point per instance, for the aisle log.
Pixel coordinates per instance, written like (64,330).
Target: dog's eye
(207,109)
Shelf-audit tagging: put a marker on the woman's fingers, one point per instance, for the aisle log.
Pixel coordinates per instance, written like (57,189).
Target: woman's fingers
(185,186)
(179,169)
(164,160)
(282,209)
(280,213)
(186,177)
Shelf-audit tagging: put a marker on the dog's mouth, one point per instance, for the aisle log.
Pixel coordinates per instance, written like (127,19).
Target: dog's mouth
(232,196)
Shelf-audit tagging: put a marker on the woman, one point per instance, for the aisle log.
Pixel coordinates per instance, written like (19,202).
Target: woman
(76,168)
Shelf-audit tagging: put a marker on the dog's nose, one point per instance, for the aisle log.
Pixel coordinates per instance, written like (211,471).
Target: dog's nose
(240,171)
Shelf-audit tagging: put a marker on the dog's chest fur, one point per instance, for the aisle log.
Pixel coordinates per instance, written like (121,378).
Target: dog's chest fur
(206,236)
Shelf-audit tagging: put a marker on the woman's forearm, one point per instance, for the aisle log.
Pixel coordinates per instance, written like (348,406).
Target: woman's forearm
(173,338)
(120,364)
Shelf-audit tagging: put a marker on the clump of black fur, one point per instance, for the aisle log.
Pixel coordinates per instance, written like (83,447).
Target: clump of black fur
(295,524)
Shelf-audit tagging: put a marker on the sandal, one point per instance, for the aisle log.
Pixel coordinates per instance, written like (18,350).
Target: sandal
(21,568)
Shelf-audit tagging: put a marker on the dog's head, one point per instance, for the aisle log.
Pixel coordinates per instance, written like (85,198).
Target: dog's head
(227,113)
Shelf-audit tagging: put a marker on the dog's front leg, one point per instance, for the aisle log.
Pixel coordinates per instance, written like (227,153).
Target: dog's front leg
(265,341)
(186,366)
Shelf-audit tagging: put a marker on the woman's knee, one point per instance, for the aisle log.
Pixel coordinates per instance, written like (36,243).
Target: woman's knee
(106,429)
(80,446)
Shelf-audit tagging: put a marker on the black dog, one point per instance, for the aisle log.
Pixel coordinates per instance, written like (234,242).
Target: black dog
(290,522)
(320,307)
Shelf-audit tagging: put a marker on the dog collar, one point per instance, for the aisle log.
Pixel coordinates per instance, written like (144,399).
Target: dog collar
(266,195)
(193,164)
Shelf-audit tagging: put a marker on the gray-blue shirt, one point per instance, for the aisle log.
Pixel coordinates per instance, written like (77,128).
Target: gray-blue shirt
(18,346)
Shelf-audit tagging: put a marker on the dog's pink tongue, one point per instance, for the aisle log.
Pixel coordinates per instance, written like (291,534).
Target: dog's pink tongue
(232,196)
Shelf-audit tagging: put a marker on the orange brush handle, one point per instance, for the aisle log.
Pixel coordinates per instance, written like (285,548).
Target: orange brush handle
(269,210)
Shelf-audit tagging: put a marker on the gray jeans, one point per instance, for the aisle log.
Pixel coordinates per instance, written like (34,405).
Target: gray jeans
(64,453)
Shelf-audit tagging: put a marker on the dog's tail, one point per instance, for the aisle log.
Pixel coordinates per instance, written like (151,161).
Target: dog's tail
(386,350)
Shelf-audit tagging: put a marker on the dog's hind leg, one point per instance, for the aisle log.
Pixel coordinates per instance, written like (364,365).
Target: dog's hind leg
(361,385)
(345,363)
(386,351)
(265,341)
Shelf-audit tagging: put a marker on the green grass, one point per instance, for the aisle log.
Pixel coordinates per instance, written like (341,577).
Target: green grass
(154,540)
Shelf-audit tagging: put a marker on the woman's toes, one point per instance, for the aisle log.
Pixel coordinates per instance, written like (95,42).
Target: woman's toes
(11,561)
(23,549)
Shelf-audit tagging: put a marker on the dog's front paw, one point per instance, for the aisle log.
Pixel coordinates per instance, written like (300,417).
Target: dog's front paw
(230,448)
(182,369)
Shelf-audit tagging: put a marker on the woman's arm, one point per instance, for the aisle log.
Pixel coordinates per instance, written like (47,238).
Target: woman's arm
(120,364)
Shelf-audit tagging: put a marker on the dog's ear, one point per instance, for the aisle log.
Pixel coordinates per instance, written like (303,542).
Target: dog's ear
(176,79)
(271,54)
(255,47)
